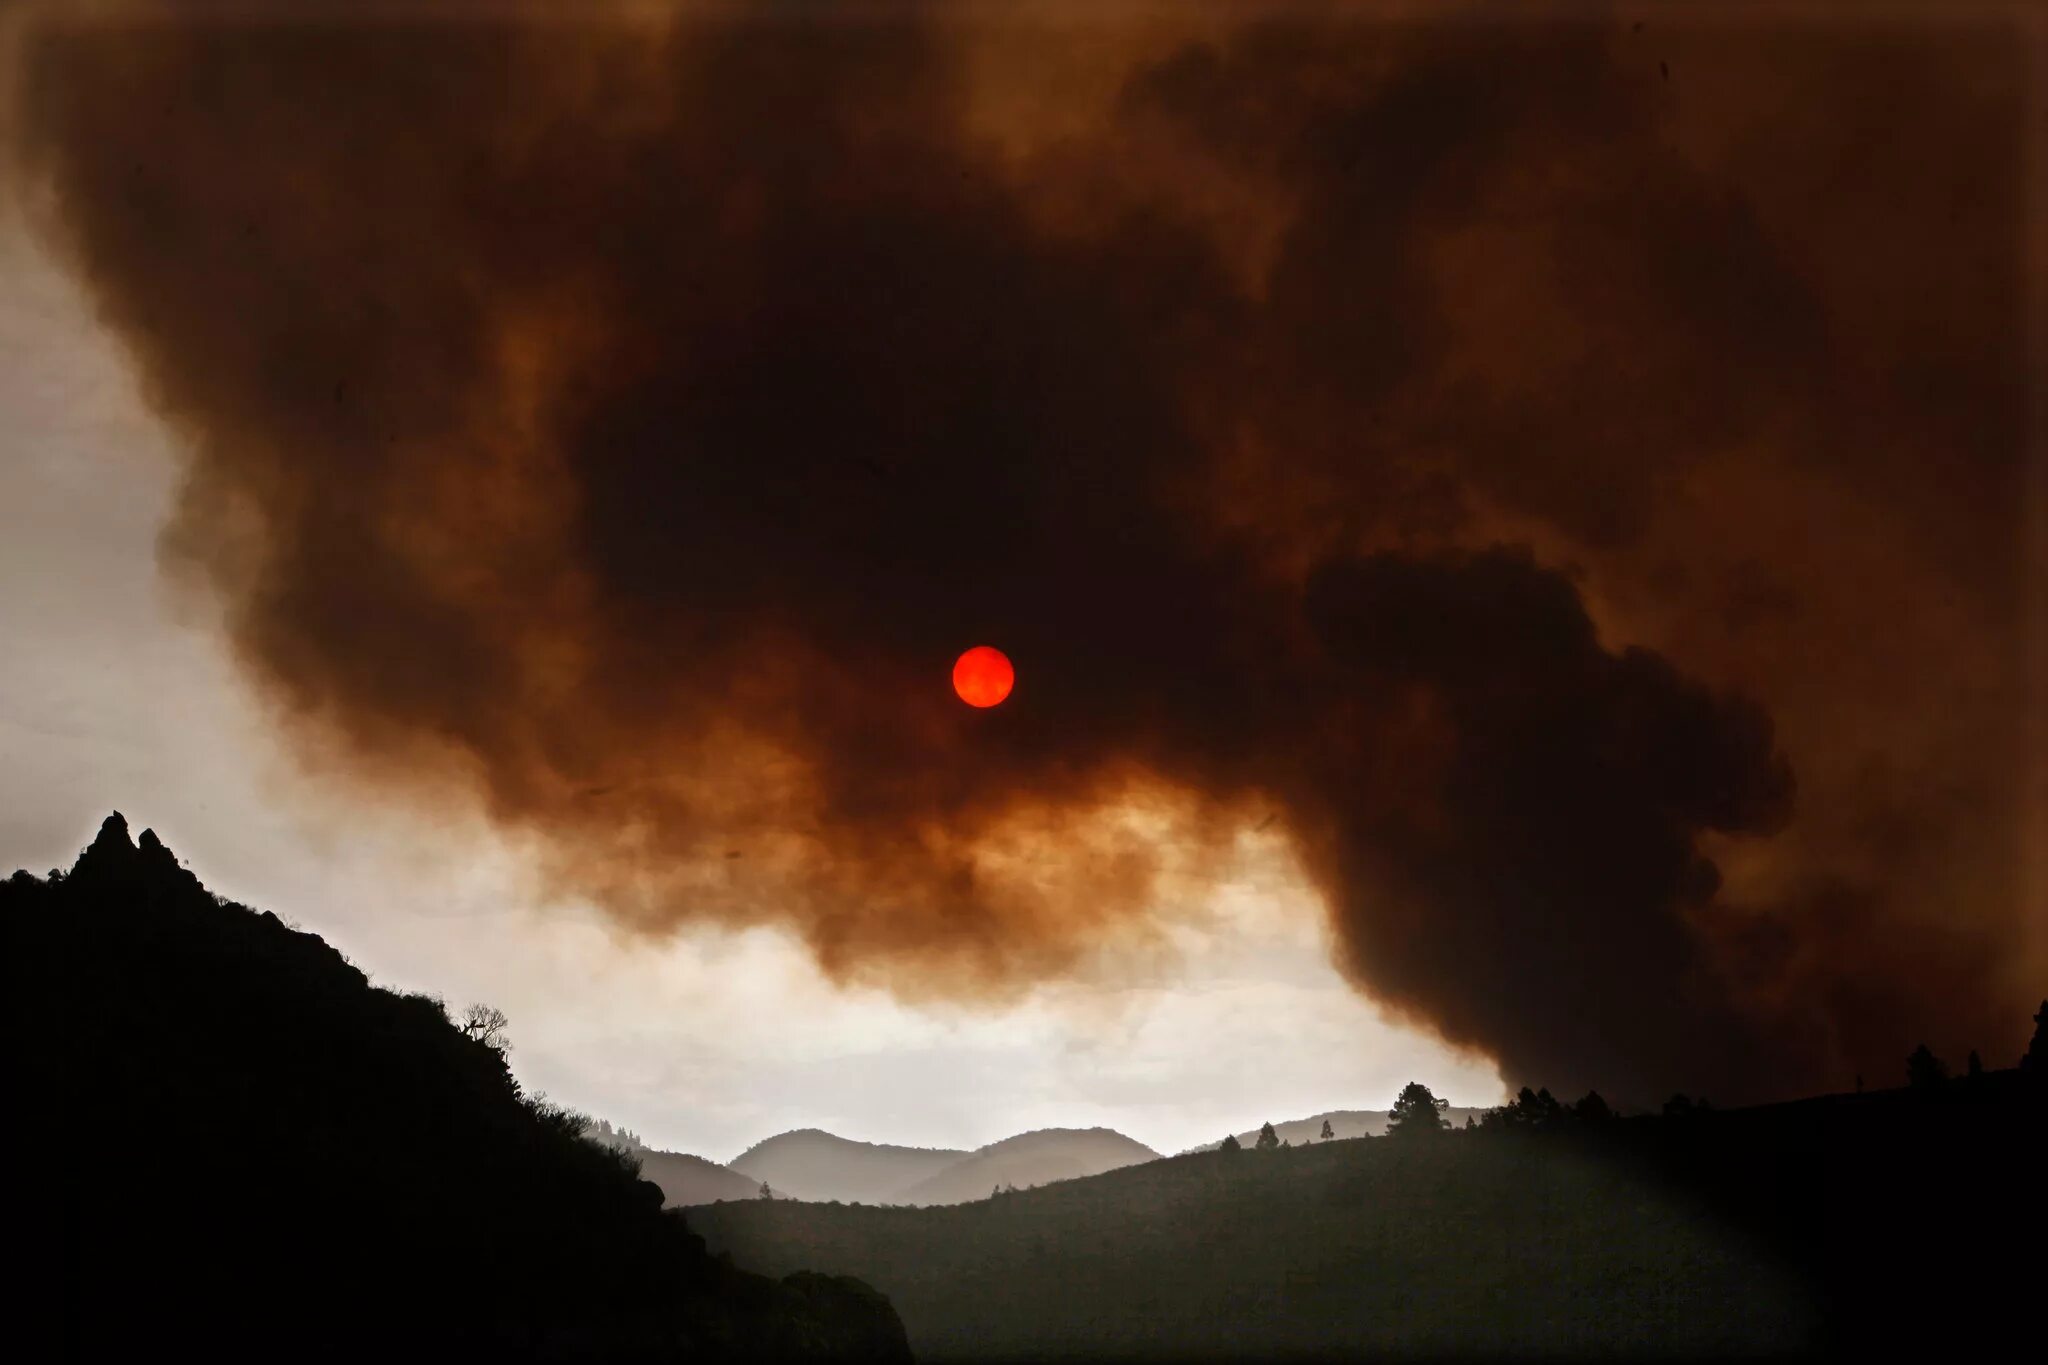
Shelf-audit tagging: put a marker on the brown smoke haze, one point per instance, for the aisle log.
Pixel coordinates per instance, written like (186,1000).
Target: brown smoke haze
(1574,475)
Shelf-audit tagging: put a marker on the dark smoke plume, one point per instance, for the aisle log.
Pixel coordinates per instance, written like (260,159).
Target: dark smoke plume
(1509,463)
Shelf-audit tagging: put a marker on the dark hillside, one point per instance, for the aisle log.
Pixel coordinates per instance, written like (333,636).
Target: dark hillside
(237,1148)
(1896,1220)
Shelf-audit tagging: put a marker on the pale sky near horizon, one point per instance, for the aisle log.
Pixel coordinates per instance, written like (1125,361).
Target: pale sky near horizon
(117,692)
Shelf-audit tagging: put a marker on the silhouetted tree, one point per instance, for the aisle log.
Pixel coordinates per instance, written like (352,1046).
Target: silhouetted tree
(1416,1111)
(1924,1070)
(1531,1109)
(487,1025)
(2036,1059)
(1679,1106)
(1231,1144)
(1268,1139)
(1975,1066)
(766,1193)
(1327,1133)
(1592,1108)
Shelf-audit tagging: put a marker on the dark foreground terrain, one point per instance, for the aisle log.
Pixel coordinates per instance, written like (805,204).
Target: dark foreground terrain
(1881,1223)
(236,1148)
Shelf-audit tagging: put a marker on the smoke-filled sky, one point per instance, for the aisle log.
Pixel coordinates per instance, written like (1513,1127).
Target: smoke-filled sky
(1551,504)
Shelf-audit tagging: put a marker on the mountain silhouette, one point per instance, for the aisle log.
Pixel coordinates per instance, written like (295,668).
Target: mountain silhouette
(244,1150)
(1027,1160)
(687,1180)
(812,1164)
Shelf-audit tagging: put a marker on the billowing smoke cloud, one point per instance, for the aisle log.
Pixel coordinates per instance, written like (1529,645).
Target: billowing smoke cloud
(1506,454)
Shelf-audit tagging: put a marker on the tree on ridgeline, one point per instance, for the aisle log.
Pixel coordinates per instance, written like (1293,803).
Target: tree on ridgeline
(1326,1134)
(1975,1066)
(1592,1108)
(1231,1144)
(1924,1070)
(487,1024)
(1417,1112)
(766,1193)
(1531,1110)
(2036,1059)
(1268,1139)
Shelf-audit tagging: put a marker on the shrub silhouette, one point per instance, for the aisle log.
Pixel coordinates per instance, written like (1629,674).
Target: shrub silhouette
(264,1157)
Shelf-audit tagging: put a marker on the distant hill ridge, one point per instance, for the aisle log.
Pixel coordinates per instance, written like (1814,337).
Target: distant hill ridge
(814,1165)
(684,1179)
(687,1180)
(1835,1227)
(1344,1123)
(1027,1160)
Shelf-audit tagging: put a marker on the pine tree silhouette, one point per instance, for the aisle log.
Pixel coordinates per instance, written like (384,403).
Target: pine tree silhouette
(1417,1112)
(1924,1070)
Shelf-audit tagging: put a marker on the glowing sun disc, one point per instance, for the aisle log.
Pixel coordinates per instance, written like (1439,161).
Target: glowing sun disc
(983,676)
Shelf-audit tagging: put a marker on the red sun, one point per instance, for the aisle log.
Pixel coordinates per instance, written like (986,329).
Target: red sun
(983,676)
